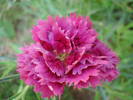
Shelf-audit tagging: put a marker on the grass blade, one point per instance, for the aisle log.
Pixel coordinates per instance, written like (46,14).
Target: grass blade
(9,78)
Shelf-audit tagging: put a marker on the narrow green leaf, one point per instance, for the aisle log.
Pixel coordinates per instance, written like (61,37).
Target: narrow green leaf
(9,78)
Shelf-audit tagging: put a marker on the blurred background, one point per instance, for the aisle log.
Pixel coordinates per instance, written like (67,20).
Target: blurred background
(113,19)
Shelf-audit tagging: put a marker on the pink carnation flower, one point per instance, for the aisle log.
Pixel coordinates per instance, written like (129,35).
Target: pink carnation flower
(66,52)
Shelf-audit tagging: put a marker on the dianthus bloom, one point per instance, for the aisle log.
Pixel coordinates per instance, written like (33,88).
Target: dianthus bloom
(66,52)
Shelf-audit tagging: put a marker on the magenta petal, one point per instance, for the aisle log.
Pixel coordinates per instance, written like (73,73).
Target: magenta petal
(94,81)
(61,42)
(45,90)
(46,45)
(54,64)
(74,58)
(109,74)
(75,79)
(35,31)
(56,88)
(82,84)
(85,38)
(78,68)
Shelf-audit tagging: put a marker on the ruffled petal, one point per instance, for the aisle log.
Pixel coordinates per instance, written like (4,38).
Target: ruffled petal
(73,58)
(75,79)
(54,64)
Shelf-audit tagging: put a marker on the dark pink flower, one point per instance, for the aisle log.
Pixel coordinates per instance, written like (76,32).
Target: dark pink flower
(66,52)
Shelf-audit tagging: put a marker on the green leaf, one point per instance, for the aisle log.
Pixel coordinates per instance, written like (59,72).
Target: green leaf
(7,78)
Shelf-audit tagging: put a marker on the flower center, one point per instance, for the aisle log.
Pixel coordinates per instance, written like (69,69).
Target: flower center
(62,56)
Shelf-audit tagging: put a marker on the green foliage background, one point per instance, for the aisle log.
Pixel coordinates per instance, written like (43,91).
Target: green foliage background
(113,19)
